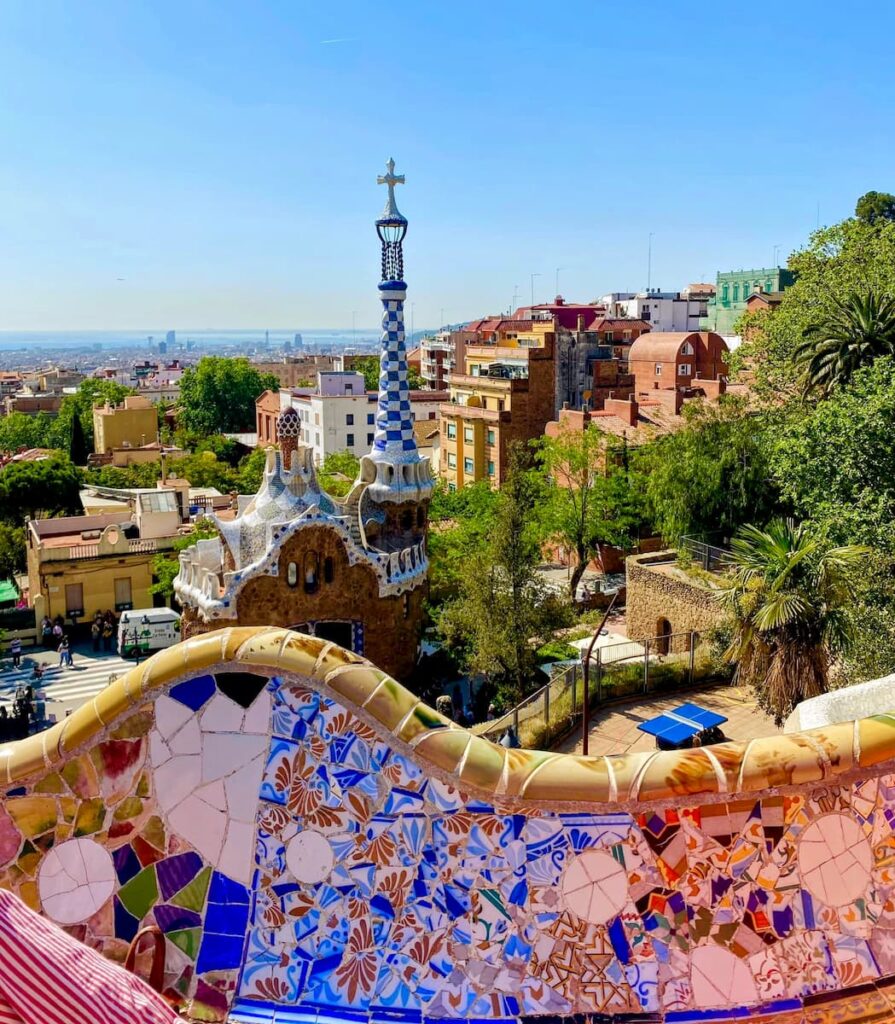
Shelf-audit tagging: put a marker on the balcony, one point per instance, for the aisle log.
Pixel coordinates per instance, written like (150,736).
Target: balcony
(474,412)
(81,552)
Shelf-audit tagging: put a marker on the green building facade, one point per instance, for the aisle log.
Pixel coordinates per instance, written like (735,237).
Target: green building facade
(734,288)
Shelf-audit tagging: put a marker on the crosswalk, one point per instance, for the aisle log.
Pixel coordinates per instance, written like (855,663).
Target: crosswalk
(65,688)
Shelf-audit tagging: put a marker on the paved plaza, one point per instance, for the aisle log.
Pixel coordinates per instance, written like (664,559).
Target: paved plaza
(614,728)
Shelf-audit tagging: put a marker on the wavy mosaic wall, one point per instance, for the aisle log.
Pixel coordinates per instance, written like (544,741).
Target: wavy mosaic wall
(315,842)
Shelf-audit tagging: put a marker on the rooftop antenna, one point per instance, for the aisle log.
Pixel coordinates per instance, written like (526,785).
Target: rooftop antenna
(649,260)
(774,259)
(558,269)
(515,298)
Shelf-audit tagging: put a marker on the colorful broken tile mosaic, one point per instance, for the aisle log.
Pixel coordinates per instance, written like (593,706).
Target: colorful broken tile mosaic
(308,852)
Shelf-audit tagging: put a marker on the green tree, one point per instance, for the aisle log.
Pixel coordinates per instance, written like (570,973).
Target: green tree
(590,501)
(369,367)
(13,552)
(337,474)
(166,566)
(204,470)
(218,395)
(460,528)
(505,612)
(834,462)
(858,329)
(875,206)
(787,594)
(30,490)
(711,476)
(77,446)
(251,471)
(19,431)
(140,474)
(852,256)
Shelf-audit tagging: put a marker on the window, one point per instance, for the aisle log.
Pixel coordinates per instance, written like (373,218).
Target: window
(468,434)
(349,440)
(658,369)
(371,419)
(452,430)
(431,415)
(686,349)
(123,596)
(349,389)
(317,438)
(684,369)
(349,419)
(452,460)
(736,293)
(490,437)
(407,520)
(74,599)
(328,571)
(316,419)
(468,466)
(370,438)
(475,369)
(490,469)
(311,573)
(420,518)
(724,293)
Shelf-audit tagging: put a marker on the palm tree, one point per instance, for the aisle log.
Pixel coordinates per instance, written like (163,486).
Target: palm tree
(860,328)
(787,594)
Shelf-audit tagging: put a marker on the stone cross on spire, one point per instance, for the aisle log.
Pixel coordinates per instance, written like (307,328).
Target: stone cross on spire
(391,179)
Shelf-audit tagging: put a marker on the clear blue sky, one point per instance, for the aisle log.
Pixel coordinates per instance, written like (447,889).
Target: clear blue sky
(221,157)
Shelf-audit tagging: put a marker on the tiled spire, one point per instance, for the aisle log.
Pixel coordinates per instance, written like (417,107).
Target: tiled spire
(394,443)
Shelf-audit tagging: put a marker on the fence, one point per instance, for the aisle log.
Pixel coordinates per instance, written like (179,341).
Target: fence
(709,556)
(663,664)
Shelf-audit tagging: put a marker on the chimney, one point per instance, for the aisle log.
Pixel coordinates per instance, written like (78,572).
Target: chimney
(625,409)
(288,428)
(580,323)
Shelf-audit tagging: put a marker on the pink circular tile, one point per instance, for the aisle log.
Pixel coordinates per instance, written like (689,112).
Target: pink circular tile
(719,978)
(835,859)
(595,886)
(75,880)
(309,856)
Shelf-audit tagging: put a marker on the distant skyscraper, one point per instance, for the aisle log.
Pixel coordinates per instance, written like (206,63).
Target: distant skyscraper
(297,342)
(171,338)
(162,347)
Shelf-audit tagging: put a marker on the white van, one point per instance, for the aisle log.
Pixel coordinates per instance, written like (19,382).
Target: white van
(144,630)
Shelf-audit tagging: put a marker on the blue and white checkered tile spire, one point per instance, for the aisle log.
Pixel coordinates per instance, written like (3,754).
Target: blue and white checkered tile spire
(394,424)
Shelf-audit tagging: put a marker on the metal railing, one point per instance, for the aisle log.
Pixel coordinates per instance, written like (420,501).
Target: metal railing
(710,557)
(85,551)
(663,664)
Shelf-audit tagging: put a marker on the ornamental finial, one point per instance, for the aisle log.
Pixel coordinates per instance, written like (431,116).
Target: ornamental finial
(391,179)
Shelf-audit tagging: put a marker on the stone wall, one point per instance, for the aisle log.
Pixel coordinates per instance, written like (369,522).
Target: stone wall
(658,590)
(314,843)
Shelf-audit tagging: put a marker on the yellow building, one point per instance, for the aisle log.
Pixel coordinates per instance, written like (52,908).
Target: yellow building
(79,565)
(132,424)
(505,395)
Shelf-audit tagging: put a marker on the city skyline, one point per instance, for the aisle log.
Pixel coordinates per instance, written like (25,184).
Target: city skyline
(206,167)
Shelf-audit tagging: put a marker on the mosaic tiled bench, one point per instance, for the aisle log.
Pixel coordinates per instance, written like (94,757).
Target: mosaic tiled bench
(317,845)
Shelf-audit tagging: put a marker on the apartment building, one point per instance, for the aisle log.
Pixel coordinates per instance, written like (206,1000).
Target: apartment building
(339,414)
(506,394)
(131,424)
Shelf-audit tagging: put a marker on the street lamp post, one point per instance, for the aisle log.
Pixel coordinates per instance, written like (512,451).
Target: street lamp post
(585,716)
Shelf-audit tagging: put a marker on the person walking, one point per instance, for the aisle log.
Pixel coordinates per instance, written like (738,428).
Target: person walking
(65,658)
(15,649)
(46,631)
(96,632)
(108,632)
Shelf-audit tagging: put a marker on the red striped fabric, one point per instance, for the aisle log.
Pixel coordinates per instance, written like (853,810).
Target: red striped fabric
(7,1014)
(47,977)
